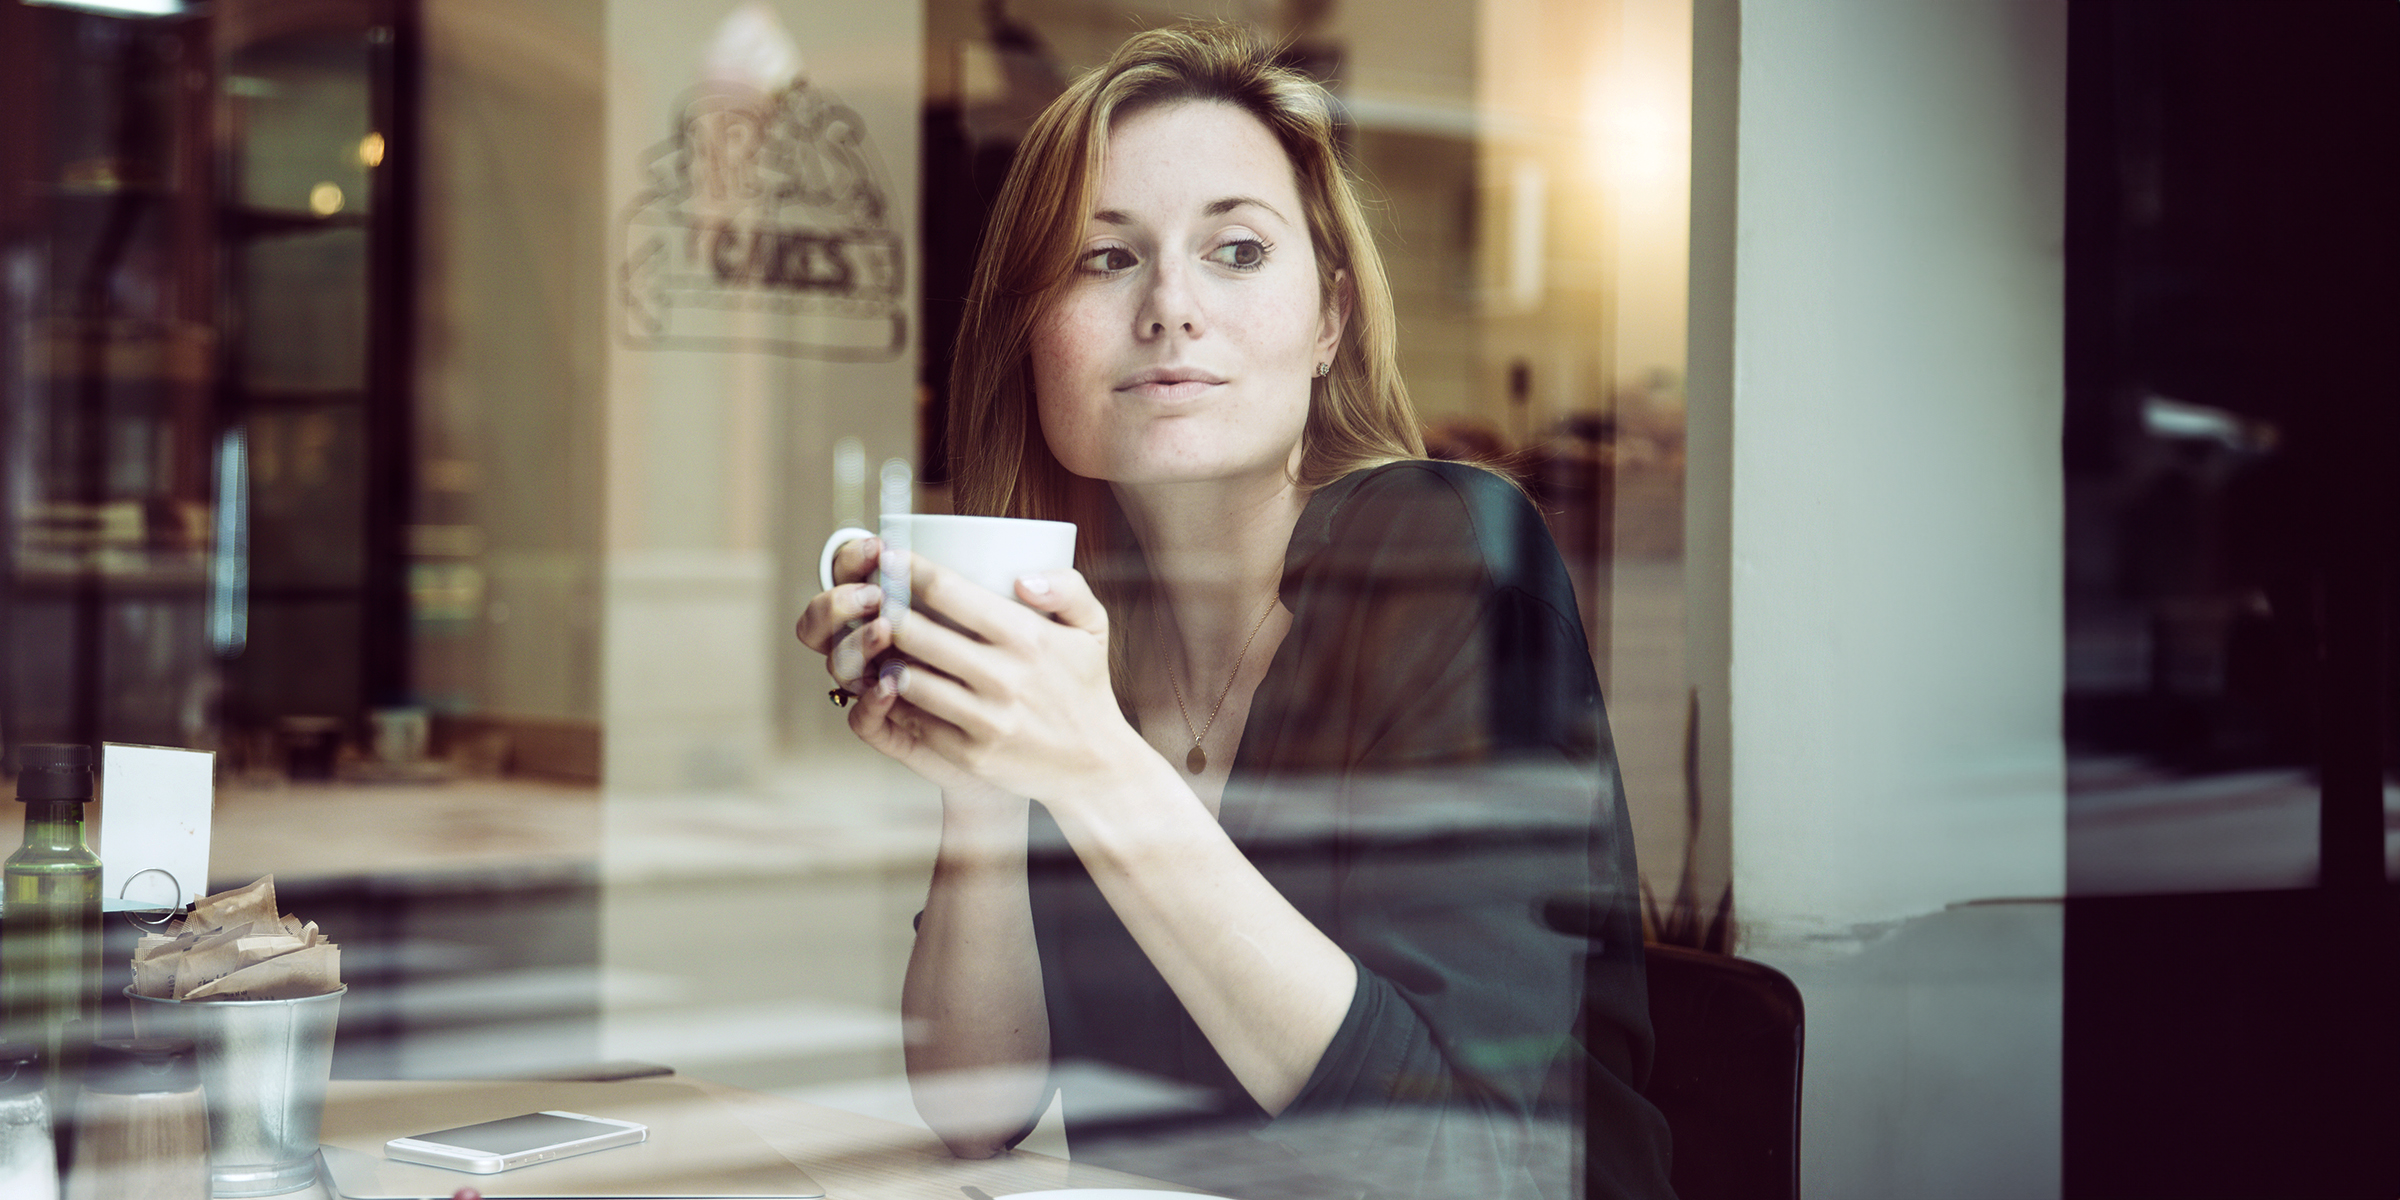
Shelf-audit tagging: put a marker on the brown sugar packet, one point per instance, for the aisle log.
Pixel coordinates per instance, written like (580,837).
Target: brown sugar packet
(254,903)
(214,956)
(313,971)
(155,978)
(154,961)
(255,950)
(235,945)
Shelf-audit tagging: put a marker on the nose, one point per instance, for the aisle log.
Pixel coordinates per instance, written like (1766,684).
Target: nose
(1168,304)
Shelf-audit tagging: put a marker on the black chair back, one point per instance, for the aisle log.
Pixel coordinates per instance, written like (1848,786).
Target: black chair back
(1726,1073)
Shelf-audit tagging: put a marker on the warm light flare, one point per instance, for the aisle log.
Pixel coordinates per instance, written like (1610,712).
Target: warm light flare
(1639,129)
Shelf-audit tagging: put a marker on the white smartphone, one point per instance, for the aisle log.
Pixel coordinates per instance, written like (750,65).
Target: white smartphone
(490,1147)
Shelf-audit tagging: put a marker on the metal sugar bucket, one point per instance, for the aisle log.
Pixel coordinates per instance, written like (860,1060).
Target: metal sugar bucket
(263,1065)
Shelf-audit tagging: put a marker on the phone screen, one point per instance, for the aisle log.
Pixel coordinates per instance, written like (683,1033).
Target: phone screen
(516,1135)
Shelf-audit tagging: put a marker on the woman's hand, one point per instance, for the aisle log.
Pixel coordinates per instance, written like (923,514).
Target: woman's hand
(833,622)
(1020,701)
(1017,702)
(844,625)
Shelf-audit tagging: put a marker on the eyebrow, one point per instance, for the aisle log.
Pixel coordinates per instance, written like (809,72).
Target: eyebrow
(1214,208)
(1218,208)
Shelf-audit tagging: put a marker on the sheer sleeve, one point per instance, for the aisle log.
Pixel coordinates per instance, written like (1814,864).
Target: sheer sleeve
(1440,772)
(1424,769)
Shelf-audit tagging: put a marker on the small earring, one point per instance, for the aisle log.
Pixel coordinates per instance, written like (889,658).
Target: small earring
(1324,369)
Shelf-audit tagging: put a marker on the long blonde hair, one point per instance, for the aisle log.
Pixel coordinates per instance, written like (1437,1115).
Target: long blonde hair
(1359,414)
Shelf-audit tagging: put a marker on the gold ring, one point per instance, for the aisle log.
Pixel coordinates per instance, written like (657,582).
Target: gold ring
(840,698)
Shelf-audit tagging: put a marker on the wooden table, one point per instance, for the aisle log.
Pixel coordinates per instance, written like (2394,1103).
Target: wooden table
(854,1157)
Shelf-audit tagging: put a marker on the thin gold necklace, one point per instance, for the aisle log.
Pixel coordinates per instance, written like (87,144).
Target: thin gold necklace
(1197,760)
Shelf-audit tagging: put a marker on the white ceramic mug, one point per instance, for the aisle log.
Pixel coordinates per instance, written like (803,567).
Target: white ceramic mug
(401,734)
(992,552)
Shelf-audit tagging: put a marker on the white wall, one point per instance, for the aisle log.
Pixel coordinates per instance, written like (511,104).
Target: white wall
(1896,476)
(717,458)
(1875,401)
(731,898)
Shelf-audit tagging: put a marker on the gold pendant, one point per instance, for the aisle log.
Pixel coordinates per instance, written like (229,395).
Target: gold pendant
(1197,760)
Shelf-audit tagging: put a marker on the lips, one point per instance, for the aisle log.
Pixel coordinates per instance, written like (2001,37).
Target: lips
(1170,383)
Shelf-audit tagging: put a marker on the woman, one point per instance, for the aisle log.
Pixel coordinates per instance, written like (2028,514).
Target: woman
(1314,732)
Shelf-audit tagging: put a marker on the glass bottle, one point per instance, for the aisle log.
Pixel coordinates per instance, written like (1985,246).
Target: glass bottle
(141,1128)
(28,1158)
(50,918)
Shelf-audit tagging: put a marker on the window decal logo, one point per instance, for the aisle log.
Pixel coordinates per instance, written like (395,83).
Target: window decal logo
(765,224)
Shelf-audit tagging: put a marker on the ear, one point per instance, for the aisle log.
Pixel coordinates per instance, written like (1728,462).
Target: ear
(1337,316)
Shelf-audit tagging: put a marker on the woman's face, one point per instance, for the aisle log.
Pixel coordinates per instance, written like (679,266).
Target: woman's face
(1184,346)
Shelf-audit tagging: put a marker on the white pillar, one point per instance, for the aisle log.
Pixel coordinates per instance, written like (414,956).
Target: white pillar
(1876,546)
(752,305)
(725,398)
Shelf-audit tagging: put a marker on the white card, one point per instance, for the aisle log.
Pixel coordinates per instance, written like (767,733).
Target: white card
(155,806)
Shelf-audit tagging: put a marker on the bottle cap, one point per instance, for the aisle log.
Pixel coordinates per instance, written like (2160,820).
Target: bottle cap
(128,1065)
(54,771)
(20,1068)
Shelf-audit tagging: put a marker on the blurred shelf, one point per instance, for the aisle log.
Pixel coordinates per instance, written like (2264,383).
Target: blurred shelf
(254,398)
(271,222)
(173,352)
(99,190)
(170,580)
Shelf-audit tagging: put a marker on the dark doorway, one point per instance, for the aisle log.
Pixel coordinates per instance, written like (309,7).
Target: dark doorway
(206,243)
(2233,290)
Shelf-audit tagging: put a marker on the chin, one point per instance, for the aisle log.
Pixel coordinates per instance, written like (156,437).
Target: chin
(1196,453)
(1137,475)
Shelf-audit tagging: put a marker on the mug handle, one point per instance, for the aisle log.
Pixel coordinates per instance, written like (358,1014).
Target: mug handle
(841,537)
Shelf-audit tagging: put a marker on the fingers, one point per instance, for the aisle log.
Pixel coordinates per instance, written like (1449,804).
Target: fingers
(871,720)
(852,598)
(829,614)
(980,675)
(941,654)
(847,659)
(980,671)
(1067,596)
(855,561)
(950,701)
(947,650)
(894,726)
(986,615)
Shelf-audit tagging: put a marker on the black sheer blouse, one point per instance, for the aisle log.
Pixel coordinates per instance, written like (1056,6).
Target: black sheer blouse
(1425,766)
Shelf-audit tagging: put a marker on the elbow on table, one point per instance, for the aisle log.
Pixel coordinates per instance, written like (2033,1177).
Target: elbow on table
(980,1112)
(975,1135)
(973,1145)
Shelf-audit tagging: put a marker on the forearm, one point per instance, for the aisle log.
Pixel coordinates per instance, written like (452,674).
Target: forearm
(978,1038)
(1265,986)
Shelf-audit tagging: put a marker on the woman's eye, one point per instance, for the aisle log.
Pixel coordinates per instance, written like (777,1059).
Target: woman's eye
(1244,255)
(1108,261)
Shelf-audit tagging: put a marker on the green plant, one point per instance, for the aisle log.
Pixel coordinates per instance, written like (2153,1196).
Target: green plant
(1681,922)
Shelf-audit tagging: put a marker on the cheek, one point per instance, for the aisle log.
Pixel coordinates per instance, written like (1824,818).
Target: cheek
(1065,394)
(1285,329)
